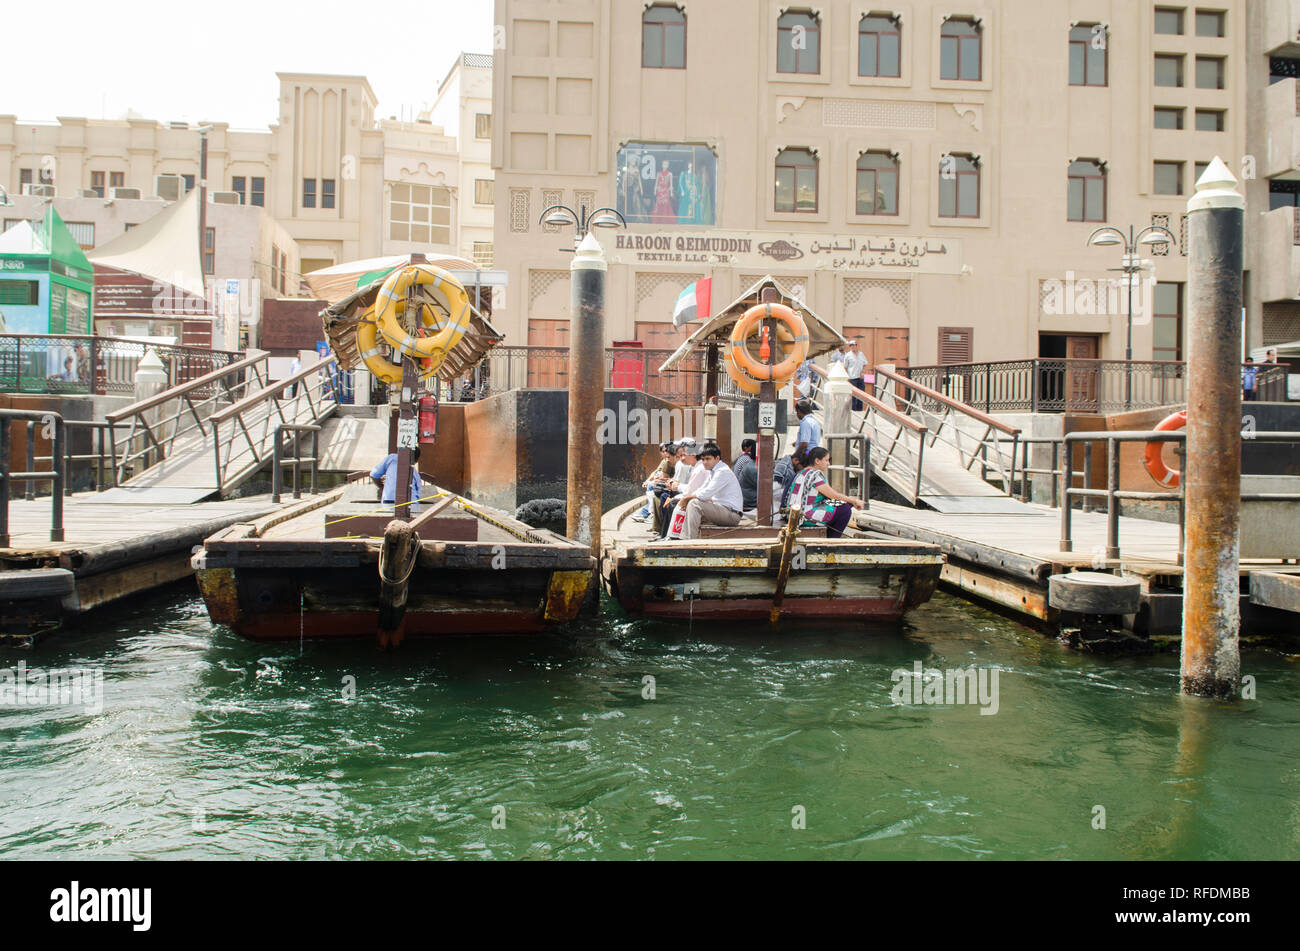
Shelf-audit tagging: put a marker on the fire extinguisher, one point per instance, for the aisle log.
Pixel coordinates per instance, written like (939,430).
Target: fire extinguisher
(428,419)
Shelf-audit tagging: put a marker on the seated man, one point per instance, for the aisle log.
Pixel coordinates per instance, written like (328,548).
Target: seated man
(662,473)
(690,476)
(385,476)
(717,502)
(746,470)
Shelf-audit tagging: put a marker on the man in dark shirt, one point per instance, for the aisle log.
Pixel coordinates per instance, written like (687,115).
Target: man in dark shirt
(746,471)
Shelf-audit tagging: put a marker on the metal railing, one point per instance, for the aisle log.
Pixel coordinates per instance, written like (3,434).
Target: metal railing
(99,461)
(56,476)
(857,475)
(244,434)
(278,462)
(626,368)
(176,420)
(54,364)
(1072,386)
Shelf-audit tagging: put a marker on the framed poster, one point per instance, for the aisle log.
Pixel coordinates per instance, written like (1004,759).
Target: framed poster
(667,184)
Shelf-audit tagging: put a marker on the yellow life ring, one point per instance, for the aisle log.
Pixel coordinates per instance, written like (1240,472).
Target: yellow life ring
(392,301)
(375,355)
(742,380)
(745,326)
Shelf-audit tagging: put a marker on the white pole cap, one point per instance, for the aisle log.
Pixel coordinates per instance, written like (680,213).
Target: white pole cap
(1217,188)
(589,256)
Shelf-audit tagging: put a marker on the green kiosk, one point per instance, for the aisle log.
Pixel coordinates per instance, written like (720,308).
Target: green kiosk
(46,287)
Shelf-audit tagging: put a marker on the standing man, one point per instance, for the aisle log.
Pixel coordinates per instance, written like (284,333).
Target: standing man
(855,365)
(746,470)
(294,368)
(810,430)
(840,354)
(717,502)
(1249,378)
(1271,357)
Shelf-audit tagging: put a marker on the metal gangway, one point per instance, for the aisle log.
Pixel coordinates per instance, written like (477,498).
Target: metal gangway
(929,448)
(206,437)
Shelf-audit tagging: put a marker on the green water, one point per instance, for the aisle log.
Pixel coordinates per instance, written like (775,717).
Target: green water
(209,747)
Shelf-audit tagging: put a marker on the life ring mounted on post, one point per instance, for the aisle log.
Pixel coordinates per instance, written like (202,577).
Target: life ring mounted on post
(1154,456)
(391,302)
(740,357)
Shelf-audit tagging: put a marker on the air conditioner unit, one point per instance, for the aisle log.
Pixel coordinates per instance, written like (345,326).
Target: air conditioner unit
(39,191)
(124,193)
(225,198)
(169,187)
(87,193)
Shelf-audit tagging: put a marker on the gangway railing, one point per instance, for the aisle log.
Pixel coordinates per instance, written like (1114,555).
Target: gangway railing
(177,418)
(56,476)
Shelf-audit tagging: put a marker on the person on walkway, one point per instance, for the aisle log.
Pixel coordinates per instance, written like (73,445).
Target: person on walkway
(855,365)
(840,353)
(746,469)
(294,368)
(659,477)
(820,504)
(1271,357)
(695,477)
(717,502)
(1249,380)
(810,430)
(384,475)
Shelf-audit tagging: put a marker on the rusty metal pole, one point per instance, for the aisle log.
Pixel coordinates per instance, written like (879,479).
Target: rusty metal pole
(1211,656)
(765,459)
(586,394)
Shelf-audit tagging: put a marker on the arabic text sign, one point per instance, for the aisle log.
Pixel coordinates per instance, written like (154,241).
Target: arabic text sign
(766,250)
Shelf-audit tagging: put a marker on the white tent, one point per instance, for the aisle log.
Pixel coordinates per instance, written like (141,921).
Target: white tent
(165,248)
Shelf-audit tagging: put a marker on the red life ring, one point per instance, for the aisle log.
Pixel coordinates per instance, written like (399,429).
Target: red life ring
(1154,458)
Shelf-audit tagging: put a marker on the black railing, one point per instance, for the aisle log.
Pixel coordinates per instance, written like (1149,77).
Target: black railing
(86,365)
(1073,386)
(56,476)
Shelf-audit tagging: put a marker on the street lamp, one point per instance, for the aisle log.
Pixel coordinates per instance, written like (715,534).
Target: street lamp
(1152,237)
(562,216)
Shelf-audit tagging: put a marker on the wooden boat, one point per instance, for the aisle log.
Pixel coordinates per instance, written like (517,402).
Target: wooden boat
(737,574)
(475,571)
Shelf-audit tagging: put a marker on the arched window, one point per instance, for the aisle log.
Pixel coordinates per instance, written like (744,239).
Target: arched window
(798,42)
(961,42)
(1087,191)
(663,37)
(796,181)
(877,184)
(959,186)
(1088,54)
(880,40)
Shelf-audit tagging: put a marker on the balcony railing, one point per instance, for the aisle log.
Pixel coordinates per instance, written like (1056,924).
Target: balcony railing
(513,368)
(87,365)
(1072,386)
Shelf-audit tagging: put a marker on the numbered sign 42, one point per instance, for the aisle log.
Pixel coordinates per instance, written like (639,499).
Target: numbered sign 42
(408,433)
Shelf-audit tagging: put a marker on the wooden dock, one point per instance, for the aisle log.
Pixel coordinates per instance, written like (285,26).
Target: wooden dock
(117,545)
(1006,558)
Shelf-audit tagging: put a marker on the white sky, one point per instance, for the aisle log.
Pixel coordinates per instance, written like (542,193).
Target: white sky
(217,62)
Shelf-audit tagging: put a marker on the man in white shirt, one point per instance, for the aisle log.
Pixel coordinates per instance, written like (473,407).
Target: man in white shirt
(855,365)
(718,501)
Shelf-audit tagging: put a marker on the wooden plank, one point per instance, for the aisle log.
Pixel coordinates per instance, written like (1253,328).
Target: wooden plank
(1275,590)
(1019,596)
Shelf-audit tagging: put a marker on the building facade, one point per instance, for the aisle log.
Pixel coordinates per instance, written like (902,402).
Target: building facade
(344,184)
(926,175)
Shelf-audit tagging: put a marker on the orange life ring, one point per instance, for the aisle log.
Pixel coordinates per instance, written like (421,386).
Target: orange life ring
(745,326)
(743,381)
(1154,458)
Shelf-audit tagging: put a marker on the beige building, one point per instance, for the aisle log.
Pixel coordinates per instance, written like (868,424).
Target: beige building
(926,174)
(344,184)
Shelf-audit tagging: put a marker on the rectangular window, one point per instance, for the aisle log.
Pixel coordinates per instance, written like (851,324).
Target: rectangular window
(189,183)
(483,253)
(309,193)
(483,125)
(1210,72)
(961,48)
(798,43)
(959,187)
(483,191)
(1198,170)
(1168,179)
(238,185)
(879,46)
(1210,120)
(47,176)
(117,180)
(662,183)
(210,251)
(1167,322)
(420,214)
(956,345)
(327,193)
(1169,20)
(663,37)
(1169,70)
(25,176)
(1088,59)
(1087,191)
(83,232)
(796,182)
(1211,23)
(97,183)
(1283,194)
(258,196)
(19,293)
(1168,117)
(877,184)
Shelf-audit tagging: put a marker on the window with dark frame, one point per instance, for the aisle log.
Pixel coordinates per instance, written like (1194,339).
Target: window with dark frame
(1211,23)
(309,193)
(83,232)
(239,185)
(1211,120)
(1086,180)
(880,44)
(961,49)
(97,183)
(1168,178)
(210,251)
(258,195)
(483,125)
(877,185)
(1283,194)
(1167,322)
(1169,117)
(1210,72)
(663,37)
(24,176)
(327,193)
(959,186)
(796,181)
(1089,58)
(1169,70)
(189,183)
(1169,21)
(483,191)
(798,42)
(117,179)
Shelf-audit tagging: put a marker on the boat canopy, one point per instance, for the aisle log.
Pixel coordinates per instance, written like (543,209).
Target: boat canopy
(340,323)
(822,337)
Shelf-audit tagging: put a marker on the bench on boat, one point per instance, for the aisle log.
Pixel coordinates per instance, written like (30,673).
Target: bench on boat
(747,529)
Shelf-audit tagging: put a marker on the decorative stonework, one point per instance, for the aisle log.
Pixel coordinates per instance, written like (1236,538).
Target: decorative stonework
(519,210)
(551,196)
(900,292)
(648,284)
(974,113)
(539,282)
(879,114)
(787,106)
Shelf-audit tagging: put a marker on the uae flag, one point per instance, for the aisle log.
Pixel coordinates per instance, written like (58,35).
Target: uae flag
(693,303)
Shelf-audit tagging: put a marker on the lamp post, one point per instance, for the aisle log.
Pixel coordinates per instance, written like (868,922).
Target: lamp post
(1152,237)
(203,131)
(562,216)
